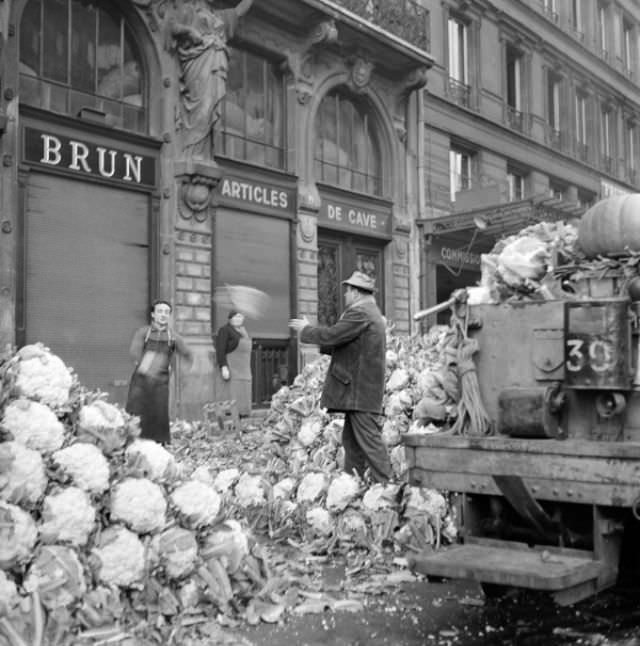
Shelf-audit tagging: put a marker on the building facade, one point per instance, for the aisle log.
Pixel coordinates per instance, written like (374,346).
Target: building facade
(160,148)
(531,112)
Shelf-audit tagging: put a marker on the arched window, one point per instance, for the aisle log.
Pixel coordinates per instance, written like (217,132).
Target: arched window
(79,55)
(347,153)
(252,112)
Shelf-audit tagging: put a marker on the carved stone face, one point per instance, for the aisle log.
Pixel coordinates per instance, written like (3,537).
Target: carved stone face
(361,72)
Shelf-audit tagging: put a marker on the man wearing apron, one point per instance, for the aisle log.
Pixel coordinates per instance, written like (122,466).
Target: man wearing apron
(152,348)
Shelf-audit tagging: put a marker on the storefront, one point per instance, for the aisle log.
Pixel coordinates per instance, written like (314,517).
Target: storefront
(353,232)
(254,245)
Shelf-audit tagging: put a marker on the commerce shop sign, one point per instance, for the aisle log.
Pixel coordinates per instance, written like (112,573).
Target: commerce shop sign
(356,216)
(256,195)
(85,157)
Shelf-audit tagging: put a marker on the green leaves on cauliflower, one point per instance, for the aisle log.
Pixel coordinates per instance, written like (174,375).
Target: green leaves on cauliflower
(86,465)
(228,543)
(57,574)
(119,557)
(33,425)
(8,594)
(140,504)
(18,536)
(43,376)
(67,517)
(197,503)
(24,480)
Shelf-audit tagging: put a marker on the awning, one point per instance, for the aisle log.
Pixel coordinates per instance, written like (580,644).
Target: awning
(504,218)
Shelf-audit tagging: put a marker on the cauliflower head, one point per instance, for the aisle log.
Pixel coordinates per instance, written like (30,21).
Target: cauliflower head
(148,459)
(18,534)
(8,594)
(226,479)
(197,503)
(119,557)
(86,465)
(249,491)
(176,550)
(380,496)
(311,487)
(100,415)
(342,491)
(67,516)
(34,425)
(43,376)
(310,430)
(58,575)
(140,504)
(284,488)
(24,481)
(203,474)
(320,520)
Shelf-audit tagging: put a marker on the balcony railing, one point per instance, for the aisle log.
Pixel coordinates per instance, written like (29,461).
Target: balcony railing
(607,164)
(515,119)
(459,92)
(632,175)
(405,19)
(553,137)
(581,151)
(549,12)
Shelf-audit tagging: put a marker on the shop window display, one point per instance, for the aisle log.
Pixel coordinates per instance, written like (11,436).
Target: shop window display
(84,58)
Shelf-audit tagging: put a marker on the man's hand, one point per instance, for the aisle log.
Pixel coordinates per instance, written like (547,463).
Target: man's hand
(225,373)
(299,324)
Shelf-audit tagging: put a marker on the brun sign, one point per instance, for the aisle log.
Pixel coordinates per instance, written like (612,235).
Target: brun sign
(88,158)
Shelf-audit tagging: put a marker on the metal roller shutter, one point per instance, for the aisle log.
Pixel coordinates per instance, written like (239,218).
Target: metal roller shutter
(87,276)
(254,250)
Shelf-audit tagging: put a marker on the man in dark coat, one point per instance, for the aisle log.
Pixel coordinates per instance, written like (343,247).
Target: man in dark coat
(355,379)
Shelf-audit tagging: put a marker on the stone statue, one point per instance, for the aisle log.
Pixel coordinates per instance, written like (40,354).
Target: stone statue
(199,35)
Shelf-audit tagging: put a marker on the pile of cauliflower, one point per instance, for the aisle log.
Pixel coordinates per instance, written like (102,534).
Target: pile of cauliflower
(99,528)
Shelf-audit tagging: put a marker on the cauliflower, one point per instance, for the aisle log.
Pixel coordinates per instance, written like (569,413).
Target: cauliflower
(119,557)
(311,487)
(333,431)
(140,504)
(67,517)
(390,432)
(34,425)
(380,496)
(249,491)
(284,488)
(86,465)
(100,415)
(43,375)
(420,501)
(399,462)
(352,527)
(198,503)
(58,575)
(8,594)
(203,474)
(310,431)
(398,380)
(397,403)
(229,544)
(18,536)
(342,491)
(176,550)
(148,459)
(320,520)
(226,479)
(24,481)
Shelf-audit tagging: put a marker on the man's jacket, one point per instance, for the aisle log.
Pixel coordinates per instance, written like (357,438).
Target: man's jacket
(357,344)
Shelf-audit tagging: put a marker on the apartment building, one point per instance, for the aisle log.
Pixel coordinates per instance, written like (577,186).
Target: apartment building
(531,112)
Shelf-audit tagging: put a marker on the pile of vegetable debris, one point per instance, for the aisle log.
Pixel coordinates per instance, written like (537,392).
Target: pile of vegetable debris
(103,538)
(291,486)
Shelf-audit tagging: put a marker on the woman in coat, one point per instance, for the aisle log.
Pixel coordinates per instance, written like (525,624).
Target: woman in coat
(233,356)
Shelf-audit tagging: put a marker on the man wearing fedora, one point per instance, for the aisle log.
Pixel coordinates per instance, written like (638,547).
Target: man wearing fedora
(355,380)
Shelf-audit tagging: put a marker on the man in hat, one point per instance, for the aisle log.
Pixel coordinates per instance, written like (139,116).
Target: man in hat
(355,379)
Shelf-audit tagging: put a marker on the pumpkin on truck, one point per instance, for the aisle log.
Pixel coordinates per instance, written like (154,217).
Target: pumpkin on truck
(547,493)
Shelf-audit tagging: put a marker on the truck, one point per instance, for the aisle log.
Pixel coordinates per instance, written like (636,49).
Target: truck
(550,499)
